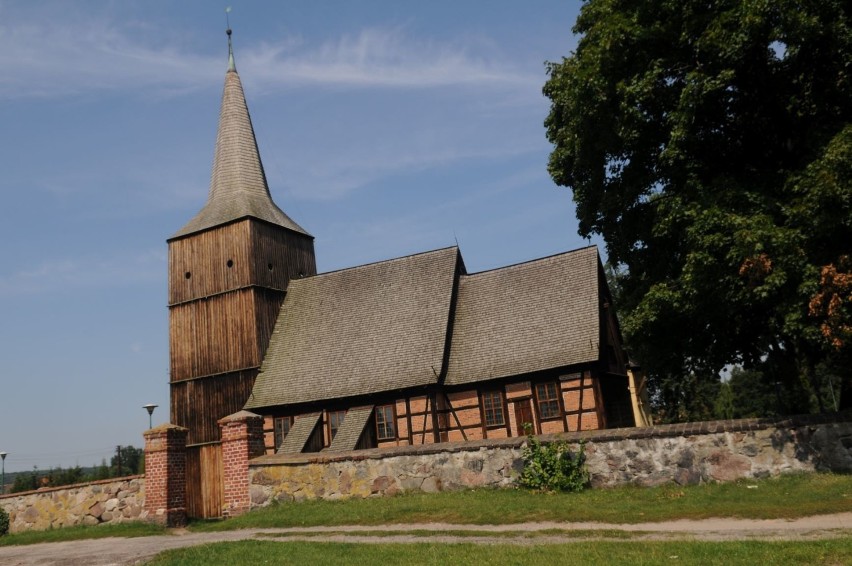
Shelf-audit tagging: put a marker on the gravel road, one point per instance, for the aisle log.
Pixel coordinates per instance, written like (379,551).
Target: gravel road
(126,551)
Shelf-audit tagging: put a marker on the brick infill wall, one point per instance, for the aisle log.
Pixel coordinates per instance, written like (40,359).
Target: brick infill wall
(688,453)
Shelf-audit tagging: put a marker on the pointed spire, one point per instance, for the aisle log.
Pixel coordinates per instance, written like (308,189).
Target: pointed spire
(232,67)
(238,186)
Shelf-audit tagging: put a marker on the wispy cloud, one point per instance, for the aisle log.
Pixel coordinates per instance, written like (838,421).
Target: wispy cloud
(66,273)
(331,177)
(380,57)
(48,57)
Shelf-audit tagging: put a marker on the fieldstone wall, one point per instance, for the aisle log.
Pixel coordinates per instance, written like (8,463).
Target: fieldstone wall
(685,454)
(106,501)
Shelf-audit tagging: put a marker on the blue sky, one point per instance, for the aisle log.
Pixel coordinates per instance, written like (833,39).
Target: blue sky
(386,128)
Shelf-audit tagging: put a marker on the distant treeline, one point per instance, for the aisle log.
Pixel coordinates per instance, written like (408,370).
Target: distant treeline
(127,461)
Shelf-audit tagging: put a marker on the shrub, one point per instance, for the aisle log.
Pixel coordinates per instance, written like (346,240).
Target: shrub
(553,466)
(4,522)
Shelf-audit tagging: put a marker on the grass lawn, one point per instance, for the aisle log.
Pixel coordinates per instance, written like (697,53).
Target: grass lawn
(787,496)
(784,497)
(588,553)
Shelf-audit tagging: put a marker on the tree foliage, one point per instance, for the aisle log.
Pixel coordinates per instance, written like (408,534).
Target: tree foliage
(132,463)
(710,144)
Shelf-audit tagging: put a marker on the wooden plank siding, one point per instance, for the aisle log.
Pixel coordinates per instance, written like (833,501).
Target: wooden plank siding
(198,404)
(241,254)
(226,287)
(280,255)
(223,333)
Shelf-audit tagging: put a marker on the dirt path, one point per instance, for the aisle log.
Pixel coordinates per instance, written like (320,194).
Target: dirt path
(125,551)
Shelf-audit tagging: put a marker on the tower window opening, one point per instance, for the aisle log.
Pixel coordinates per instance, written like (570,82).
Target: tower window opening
(269,266)
(230,263)
(187,274)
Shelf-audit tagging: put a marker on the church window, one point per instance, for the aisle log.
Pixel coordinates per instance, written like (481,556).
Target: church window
(385,428)
(547,395)
(492,404)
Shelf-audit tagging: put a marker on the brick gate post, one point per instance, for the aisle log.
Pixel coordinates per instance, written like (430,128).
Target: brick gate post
(165,475)
(242,440)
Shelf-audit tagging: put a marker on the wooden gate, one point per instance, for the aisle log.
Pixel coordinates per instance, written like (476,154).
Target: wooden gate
(204,481)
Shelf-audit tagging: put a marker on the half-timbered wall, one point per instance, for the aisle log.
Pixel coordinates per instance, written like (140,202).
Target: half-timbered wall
(460,415)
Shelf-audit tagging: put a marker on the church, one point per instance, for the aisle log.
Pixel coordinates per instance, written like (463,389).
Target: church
(411,350)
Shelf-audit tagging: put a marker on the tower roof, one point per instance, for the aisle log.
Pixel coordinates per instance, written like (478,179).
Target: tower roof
(238,186)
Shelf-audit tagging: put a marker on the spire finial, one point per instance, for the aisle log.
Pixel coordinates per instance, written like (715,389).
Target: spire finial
(231,65)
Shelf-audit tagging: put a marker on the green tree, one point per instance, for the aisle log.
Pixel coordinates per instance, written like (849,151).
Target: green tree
(25,481)
(723,408)
(101,472)
(710,144)
(132,461)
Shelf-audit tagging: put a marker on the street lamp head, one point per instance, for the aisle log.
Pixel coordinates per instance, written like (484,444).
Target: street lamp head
(150,408)
(3,455)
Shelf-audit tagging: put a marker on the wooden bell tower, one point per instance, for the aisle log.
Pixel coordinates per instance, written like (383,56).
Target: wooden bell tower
(228,273)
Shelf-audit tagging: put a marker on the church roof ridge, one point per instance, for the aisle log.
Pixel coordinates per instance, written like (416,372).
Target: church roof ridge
(380,262)
(238,185)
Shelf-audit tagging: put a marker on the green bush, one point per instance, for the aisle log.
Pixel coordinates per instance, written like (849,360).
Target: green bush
(4,522)
(553,466)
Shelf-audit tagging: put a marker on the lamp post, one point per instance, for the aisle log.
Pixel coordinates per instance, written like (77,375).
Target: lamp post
(3,476)
(150,408)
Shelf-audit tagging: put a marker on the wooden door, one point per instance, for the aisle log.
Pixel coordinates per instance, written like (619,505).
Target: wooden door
(204,496)
(523,414)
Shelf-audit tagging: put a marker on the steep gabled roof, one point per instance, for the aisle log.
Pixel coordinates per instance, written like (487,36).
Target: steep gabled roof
(363,330)
(238,187)
(529,317)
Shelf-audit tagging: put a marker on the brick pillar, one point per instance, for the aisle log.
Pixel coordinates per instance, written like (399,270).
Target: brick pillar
(165,475)
(242,440)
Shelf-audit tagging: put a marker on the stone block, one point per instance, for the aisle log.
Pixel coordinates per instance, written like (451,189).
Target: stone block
(258,495)
(725,466)
(380,484)
(687,476)
(96,510)
(431,485)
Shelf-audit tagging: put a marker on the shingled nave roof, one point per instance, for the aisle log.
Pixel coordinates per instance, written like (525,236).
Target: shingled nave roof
(362,330)
(238,187)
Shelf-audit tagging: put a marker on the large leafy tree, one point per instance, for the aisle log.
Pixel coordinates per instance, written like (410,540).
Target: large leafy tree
(710,144)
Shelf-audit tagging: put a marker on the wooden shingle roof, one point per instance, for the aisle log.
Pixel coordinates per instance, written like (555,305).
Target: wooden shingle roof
(358,331)
(299,434)
(238,187)
(529,317)
(351,429)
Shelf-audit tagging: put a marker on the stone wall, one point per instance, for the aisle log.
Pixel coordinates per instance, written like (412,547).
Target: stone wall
(685,454)
(105,501)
